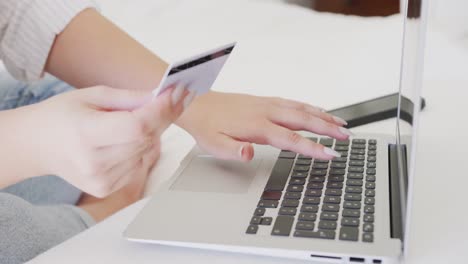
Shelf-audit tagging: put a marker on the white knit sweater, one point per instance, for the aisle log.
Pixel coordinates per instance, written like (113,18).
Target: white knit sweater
(28,29)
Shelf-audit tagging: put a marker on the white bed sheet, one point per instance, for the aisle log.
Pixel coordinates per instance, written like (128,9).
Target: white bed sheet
(283,50)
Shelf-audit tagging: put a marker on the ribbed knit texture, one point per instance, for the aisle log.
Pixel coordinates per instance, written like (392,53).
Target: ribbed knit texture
(28,29)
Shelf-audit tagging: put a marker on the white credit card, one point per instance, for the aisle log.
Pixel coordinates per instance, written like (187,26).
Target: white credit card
(197,73)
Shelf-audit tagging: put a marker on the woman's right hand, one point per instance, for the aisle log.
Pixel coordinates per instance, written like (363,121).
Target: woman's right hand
(98,138)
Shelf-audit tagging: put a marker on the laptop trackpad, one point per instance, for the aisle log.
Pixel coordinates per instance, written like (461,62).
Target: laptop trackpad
(206,174)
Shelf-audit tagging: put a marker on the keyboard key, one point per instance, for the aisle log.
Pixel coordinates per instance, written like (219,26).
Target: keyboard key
(252,229)
(303,162)
(304,157)
(299,175)
(311,200)
(357,157)
(318,172)
(329,216)
(370,178)
(335,185)
(266,221)
(315,185)
(370,193)
(332,199)
(370,185)
(333,192)
(338,165)
(369,200)
(351,213)
(295,188)
(349,233)
(313,193)
(319,179)
(352,197)
(356,169)
(345,221)
(353,189)
(320,166)
(297,181)
(340,159)
(355,176)
(372,142)
(268,204)
(279,175)
(368,227)
(307,216)
(321,161)
(282,226)
(342,142)
(369,209)
(284,154)
(354,183)
(305,225)
(351,205)
(358,146)
(330,207)
(369,218)
(326,142)
(341,148)
(336,179)
(314,139)
(371,158)
(255,220)
(371,147)
(290,203)
(287,211)
(271,195)
(259,212)
(368,237)
(299,168)
(359,141)
(371,165)
(356,163)
(293,195)
(309,208)
(337,172)
(325,234)
(372,153)
(358,151)
(327,225)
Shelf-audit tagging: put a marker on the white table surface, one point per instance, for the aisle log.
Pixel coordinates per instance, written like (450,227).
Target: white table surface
(318,58)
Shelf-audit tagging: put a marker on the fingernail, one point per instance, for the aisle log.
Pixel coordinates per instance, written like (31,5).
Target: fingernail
(241,151)
(345,131)
(339,120)
(331,152)
(189,98)
(177,93)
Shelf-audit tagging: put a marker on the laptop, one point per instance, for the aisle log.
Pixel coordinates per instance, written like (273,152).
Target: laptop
(353,209)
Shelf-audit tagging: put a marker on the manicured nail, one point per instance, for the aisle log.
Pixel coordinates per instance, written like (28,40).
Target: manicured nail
(339,120)
(177,93)
(331,152)
(241,151)
(189,98)
(345,131)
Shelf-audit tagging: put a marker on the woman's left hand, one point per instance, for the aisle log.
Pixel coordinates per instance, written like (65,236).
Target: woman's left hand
(226,124)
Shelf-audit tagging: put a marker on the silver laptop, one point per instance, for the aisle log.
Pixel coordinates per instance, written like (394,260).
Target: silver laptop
(355,209)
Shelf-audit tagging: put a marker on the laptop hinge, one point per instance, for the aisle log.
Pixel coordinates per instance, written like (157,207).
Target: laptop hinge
(398,190)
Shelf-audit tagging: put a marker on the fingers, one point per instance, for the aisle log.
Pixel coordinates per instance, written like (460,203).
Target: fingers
(317,111)
(284,138)
(225,147)
(301,120)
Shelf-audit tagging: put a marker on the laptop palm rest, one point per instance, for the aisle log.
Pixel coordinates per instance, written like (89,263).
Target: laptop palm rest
(207,174)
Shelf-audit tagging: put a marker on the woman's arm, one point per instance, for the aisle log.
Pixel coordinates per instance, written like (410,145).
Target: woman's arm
(93,51)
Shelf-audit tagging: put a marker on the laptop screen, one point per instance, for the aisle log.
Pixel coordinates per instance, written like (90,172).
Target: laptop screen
(412,61)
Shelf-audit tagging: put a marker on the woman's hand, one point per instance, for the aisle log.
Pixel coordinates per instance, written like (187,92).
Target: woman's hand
(99,138)
(225,125)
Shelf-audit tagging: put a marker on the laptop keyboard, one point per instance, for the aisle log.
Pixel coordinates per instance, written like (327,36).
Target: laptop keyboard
(321,199)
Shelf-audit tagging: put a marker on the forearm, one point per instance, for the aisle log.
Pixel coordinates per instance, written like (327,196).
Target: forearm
(17,142)
(93,51)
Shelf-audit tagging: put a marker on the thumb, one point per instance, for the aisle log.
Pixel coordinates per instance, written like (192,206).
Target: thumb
(224,147)
(111,99)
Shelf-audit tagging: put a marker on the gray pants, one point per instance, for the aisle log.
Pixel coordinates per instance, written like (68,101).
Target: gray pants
(38,213)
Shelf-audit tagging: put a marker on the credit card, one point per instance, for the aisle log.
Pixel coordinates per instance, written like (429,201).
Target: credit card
(197,73)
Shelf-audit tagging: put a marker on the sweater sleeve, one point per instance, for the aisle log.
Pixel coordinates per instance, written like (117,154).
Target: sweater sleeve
(28,29)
